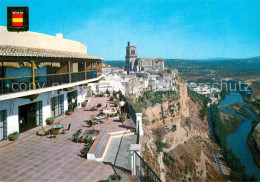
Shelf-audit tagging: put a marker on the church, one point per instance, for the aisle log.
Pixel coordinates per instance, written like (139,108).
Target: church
(134,64)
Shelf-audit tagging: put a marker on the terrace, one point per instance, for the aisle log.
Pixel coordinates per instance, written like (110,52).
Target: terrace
(26,71)
(43,158)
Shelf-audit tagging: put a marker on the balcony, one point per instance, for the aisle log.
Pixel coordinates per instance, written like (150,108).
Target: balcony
(25,83)
(29,71)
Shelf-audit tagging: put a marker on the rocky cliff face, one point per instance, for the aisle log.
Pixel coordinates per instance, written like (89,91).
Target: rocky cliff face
(176,141)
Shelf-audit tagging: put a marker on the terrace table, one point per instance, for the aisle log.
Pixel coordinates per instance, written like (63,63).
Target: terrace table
(56,129)
(106,111)
(98,118)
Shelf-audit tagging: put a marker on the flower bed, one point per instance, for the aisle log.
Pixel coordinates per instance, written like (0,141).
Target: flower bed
(86,138)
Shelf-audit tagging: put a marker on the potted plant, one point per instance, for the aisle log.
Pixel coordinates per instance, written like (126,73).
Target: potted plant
(101,113)
(69,112)
(84,104)
(84,151)
(108,93)
(116,104)
(111,98)
(50,120)
(117,114)
(88,140)
(115,177)
(122,117)
(76,137)
(99,105)
(81,139)
(13,136)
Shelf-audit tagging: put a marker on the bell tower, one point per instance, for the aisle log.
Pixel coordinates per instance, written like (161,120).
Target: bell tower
(130,57)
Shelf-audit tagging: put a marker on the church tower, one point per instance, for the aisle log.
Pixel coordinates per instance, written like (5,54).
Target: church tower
(130,57)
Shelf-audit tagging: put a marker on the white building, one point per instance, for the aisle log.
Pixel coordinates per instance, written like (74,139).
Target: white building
(106,69)
(39,77)
(134,64)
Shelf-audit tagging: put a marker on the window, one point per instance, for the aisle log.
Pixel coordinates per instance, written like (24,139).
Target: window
(56,106)
(2,119)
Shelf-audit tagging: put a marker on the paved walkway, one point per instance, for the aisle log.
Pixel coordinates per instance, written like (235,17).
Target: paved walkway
(36,158)
(119,151)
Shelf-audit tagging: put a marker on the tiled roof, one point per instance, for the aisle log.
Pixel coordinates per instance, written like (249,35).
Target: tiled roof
(15,51)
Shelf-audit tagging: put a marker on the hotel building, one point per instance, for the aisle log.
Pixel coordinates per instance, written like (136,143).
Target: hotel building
(41,76)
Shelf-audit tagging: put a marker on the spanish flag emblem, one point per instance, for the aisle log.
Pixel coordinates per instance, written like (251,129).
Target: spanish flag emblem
(17,19)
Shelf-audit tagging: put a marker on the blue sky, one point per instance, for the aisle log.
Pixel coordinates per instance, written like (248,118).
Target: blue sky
(186,29)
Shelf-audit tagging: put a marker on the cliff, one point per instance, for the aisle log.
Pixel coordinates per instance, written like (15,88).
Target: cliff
(176,141)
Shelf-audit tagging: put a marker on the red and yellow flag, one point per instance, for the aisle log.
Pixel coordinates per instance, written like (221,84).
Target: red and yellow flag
(17,19)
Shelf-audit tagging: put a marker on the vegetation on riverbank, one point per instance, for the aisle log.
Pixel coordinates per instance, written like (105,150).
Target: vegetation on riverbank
(230,121)
(254,141)
(254,106)
(237,170)
(240,110)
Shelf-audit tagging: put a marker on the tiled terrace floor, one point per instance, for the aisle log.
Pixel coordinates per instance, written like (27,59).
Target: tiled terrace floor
(36,158)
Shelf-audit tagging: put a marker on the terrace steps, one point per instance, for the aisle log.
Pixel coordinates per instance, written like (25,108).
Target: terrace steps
(100,146)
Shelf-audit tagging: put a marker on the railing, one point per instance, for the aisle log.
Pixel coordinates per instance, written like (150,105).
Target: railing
(132,112)
(24,83)
(143,171)
(130,108)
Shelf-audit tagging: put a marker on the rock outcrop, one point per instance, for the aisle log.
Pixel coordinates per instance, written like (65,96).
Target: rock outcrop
(176,141)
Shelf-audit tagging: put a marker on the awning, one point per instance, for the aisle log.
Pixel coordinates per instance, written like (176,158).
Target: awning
(10,64)
(19,52)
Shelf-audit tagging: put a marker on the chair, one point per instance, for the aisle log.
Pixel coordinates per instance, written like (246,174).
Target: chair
(92,117)
(55,132)
(45,132)
(69,127)
(92,123)
(63,130)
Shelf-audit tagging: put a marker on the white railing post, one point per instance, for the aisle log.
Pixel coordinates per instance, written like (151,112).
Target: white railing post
(133,148)
(139,122)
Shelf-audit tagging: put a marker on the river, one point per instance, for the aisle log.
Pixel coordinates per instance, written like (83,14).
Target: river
(237,141)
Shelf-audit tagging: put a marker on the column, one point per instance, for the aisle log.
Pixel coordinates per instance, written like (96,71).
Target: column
(96,69)
(33,74)
(85,69)
(139,128)
(101,65)
(135,162)
(69,71)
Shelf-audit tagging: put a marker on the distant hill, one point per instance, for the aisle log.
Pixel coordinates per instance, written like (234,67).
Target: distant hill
(215,59)
(226,64)
(257,57)
(115,63)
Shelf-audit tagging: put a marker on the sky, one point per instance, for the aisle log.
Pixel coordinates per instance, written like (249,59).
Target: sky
(180,29)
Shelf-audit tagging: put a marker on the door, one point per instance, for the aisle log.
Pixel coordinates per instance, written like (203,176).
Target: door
(1,125)
(89,92)
(29,116)
(56,106)
(72,95)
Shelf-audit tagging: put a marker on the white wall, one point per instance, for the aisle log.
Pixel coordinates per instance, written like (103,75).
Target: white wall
(41,41)
(12,106)
(82,93)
